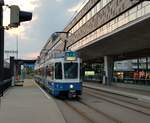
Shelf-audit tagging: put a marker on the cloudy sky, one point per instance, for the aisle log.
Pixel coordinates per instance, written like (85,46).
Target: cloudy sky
(48,16)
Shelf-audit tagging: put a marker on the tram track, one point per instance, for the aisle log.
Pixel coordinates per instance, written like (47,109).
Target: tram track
(100,112)
(83,108)
(85,115)
(70,103)
(123,100)
(123,103)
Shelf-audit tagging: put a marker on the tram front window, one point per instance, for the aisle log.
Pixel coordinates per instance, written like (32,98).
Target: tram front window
(71,70)
(58,70)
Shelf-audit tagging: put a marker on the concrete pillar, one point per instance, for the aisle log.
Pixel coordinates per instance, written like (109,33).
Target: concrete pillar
(108,70)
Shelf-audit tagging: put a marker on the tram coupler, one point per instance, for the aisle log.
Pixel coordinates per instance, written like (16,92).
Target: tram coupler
(72,95)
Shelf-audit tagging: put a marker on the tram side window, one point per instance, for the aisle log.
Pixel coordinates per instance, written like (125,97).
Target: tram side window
(39,72)
(42,71)
(58,70)
(50,71)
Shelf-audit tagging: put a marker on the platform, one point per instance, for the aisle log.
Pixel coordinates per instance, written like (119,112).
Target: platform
(29,104)
(128,92)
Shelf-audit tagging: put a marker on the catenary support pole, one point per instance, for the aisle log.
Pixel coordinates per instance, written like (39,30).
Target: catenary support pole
(1,42)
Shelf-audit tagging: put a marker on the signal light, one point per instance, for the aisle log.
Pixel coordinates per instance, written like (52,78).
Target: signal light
(25,16)
(17,16)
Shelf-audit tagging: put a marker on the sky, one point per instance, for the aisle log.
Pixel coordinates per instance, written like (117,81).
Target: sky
(49,16)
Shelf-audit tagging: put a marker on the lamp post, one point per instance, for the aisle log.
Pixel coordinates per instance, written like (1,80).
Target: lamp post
(1,41)
(66,40)
(16,17)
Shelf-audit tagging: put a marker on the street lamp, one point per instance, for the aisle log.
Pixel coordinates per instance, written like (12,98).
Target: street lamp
(1,41)
(16,18)
(65,41)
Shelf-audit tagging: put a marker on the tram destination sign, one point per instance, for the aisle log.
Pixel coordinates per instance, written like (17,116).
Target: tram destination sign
(70,56)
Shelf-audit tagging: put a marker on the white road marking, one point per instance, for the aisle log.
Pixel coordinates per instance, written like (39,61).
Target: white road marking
(42,90)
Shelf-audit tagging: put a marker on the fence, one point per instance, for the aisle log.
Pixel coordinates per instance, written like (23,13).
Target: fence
(6,82)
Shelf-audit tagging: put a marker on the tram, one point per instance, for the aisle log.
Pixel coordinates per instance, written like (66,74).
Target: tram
(60,74)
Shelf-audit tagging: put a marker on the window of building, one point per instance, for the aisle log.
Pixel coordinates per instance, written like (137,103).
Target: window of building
(93,12)
(133,10)
(139,13)
(139,6)
(128,16)
(87,17)
(147,9)
(132,17)
(104,2)
(90,14)
(98,6)
(84,19)
(145,3)
(95,9)
(80,24)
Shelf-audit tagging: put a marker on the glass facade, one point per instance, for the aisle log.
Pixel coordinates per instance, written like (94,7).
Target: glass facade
(92,72)
(133,71)
(127,17)
(137,72)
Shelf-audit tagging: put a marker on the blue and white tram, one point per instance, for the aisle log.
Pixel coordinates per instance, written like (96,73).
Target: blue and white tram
(61,75)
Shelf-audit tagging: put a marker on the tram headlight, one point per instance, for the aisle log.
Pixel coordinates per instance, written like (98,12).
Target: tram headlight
(71,86)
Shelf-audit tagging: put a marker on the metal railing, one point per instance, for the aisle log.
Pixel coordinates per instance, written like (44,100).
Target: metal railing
(4,86)
(6,83)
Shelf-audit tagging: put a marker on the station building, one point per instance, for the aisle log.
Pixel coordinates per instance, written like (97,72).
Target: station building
(107,31)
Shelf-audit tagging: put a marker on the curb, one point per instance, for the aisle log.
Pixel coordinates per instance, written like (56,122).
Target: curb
(125,94)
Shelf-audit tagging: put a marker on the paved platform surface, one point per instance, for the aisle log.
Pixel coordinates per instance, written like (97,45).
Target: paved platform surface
(28,104)
(133,93)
